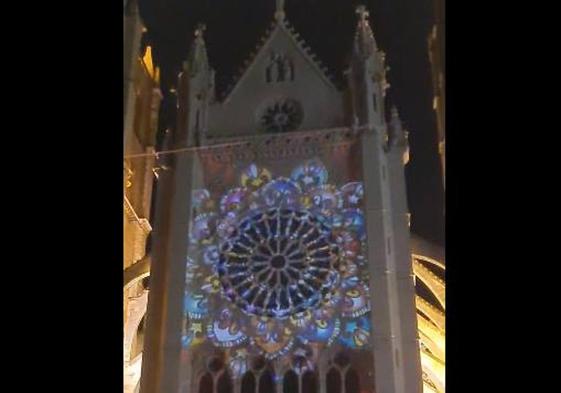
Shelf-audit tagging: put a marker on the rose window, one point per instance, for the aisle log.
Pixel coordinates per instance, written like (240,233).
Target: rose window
(282,116)
(278,263)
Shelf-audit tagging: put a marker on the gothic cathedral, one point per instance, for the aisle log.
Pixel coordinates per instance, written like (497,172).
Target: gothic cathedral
(281,256)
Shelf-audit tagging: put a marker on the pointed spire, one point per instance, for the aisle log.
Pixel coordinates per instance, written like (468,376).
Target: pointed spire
(197,60)
(150,66)
(362,12)
(395,121)
(200,30)
(364,39)
(397,135)
(395,114)
(279,13)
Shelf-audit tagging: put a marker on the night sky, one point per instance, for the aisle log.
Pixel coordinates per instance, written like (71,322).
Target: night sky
(401,28)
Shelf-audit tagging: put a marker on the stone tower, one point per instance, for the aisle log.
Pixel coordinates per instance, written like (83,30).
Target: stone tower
(281,255)
(140,108)
(437,58)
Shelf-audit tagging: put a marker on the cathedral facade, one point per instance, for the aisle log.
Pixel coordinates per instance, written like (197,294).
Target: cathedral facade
(282,259)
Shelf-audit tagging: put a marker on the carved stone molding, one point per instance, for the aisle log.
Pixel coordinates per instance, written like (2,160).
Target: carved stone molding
(279,146)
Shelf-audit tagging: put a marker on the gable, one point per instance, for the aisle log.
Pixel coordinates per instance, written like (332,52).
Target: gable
(281,75)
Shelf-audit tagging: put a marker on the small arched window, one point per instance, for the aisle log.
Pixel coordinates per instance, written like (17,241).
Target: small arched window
(248,383)
(266,383)
(224,383)
(352,382)
(290,382)
(309,383)
(333,381)
(206,384)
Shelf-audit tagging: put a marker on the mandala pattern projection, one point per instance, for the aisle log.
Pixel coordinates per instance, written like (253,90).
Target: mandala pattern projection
(279,263)
(276,267)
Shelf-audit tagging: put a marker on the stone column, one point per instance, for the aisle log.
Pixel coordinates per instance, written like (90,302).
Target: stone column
(278,371)
(322,371)
(394,325)
(237,385)
(132,27)
(409,360)
(160,368)
(374,209)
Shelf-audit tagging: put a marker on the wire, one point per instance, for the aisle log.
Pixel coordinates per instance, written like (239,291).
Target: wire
(238,142)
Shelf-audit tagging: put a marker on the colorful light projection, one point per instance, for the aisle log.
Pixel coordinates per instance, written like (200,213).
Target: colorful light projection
(276,266)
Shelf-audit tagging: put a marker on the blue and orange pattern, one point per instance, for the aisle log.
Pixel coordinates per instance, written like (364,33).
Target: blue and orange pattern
(277,264)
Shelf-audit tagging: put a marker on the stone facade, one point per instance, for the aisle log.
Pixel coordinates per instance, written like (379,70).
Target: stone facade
(141,101)
(285,98)
(283,108)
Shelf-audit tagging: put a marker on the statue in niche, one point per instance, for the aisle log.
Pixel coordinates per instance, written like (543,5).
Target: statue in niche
(280,69)
(289,66)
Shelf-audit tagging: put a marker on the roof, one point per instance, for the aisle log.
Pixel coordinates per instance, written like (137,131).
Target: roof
(281,26)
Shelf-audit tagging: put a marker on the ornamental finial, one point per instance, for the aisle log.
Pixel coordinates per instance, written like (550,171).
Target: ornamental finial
(201,27)
(362,12)
(279,13)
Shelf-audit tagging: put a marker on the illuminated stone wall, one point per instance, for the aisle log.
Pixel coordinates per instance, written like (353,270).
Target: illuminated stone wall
(141,102)
(265,270)
(276,271)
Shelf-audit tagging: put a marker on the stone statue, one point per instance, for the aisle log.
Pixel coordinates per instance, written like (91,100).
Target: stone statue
(280,68)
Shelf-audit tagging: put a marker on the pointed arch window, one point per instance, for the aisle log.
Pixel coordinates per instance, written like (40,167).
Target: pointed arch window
(309,382)
(248,383)
(216,379)
(306,383)
(206,384)
(333,381)
(266,382)
(290,382)
(342,377)
(224,384)
(352,383)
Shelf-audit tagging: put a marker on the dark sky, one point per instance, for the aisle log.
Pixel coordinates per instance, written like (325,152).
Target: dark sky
(401,28)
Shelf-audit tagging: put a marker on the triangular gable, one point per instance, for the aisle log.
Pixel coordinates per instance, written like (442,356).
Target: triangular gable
(286,29)
(283,73)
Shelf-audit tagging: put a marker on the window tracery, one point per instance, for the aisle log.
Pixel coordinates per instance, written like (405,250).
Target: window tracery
(281,116)
(276,272)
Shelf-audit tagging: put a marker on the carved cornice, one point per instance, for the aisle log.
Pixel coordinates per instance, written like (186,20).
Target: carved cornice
(279,146)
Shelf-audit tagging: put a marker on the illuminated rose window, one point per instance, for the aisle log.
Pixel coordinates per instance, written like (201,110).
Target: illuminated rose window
(282,262)
(281,116)
(277,266)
